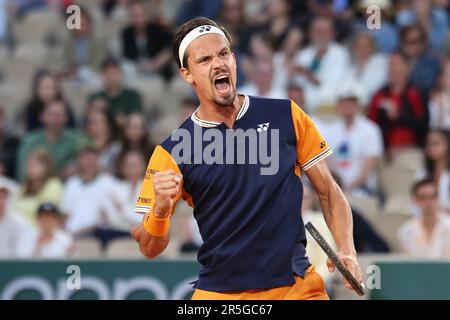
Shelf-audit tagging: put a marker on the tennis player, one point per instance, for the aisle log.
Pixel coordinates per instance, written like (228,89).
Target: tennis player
(249,219)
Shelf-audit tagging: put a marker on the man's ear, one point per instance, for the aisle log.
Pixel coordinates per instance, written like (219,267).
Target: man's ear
(186,75)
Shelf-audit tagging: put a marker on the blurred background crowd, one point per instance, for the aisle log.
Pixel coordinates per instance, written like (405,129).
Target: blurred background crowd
(81,111)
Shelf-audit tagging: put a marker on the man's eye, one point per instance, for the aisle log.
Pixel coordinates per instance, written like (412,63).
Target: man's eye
(224,54)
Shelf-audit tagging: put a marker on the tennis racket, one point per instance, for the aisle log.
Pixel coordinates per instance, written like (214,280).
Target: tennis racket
(358,287)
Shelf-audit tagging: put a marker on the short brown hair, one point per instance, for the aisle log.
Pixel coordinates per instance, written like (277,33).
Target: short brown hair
(188,27)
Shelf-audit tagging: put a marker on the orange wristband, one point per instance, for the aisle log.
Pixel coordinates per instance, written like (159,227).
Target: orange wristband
(158,227)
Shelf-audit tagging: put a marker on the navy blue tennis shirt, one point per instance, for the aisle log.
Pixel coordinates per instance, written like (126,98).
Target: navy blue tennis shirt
(248,208)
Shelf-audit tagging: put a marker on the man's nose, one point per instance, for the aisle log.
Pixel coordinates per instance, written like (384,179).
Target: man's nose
(217,63)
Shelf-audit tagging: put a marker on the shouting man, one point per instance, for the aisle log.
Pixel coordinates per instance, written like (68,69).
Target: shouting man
(246,202)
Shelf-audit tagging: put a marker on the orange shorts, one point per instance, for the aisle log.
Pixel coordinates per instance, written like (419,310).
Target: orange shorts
(311,287)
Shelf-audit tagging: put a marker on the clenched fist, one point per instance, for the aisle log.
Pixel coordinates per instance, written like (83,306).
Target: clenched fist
(166,185)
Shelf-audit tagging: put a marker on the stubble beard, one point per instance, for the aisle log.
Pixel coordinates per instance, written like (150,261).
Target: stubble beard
(225,101)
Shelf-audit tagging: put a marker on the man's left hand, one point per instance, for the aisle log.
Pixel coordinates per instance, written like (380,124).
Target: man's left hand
(350,261)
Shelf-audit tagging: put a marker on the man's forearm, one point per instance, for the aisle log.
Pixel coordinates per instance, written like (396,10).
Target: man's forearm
(155,246)
(338,216)
(150,245)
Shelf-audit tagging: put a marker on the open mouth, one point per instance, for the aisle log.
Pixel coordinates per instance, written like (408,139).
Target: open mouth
(222,83)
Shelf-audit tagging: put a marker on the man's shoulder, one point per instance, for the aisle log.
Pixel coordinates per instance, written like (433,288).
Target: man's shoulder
(187,127)
(270,108)
(271,103)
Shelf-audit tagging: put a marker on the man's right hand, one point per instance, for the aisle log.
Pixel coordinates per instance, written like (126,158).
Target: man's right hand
(166,185)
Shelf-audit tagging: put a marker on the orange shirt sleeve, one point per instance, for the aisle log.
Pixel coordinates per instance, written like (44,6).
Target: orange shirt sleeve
(160,160)
(311,146)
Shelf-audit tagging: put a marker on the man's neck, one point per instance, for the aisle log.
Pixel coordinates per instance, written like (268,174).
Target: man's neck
(227,114)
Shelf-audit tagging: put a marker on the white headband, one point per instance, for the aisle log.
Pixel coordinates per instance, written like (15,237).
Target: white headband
(194,34)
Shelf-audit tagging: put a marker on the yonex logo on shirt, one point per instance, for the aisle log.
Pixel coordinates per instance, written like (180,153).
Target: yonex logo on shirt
(263,127)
